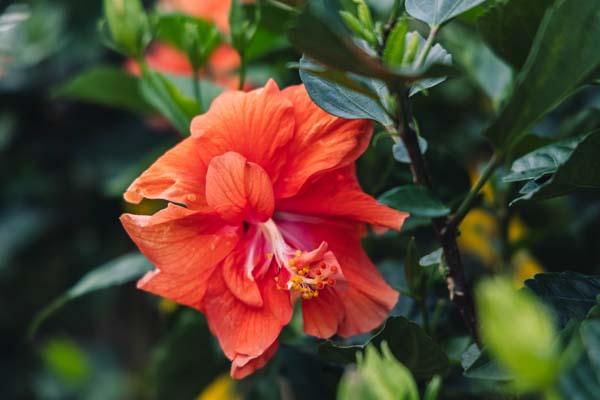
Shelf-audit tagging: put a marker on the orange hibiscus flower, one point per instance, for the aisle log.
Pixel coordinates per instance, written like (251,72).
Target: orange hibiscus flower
(265,210)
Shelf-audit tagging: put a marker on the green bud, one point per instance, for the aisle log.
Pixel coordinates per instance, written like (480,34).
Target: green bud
(393,54)
(364,14)
(352,22)
(520,333)
(378,376)
(129,26)
(412,48)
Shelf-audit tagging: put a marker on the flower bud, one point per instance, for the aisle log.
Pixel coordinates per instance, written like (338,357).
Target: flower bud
(128,25)
(378,376)
(520,333)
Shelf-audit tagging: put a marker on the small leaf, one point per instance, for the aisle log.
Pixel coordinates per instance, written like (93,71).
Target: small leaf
(590,335)
(436,12)
(401,153)
(393,53)
(342,101)
(432,259)
(509,27)
(437,56)
(571,295)
(416,200)
(114,273)
(408,342)
(559,168)
(566,46)
(108,86)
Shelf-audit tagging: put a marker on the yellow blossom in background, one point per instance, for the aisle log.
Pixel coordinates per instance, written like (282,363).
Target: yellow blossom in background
(167,306)
(479,233)
(222,388)
(524,266)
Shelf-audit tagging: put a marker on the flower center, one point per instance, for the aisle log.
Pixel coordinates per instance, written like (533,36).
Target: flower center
(304,273)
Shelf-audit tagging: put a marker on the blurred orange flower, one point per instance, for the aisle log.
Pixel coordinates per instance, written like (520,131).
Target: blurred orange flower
(265,210)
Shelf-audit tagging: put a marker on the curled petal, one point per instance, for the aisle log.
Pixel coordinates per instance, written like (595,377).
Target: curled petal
(239,190)
(338,194)
(185,247)
(241,328)
(177,176)
(322,142)
(242,365)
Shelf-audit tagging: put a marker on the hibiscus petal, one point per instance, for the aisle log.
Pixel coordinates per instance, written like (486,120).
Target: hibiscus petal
(177,176)
(366,298)
(242,365)
(322,142)
(238,190)
(258,125)
(322,315)
(239,283)
(185,246)
(338,194)
(243,329)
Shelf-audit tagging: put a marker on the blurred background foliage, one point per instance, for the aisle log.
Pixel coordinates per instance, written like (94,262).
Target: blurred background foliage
(64,165)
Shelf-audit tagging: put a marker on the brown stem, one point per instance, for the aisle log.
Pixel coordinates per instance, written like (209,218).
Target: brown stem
(459,291)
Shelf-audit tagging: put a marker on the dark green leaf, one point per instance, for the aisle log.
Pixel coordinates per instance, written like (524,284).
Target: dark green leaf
(477,364)
(108,86)
(322,36)
(342,101)
(186,360)
(566,47)
(416,200)
(509,27)
(590,335)
(401,153)
(393,53)
(413,271)
(559,169)
(436,12)
(409,344)
(569,294)
(482,66)
(114,273)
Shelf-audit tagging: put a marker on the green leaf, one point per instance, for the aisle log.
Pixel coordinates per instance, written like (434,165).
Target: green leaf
(437,56)
(342,101)
(321,35)
(432,259)
(67,361)
(401,152)
(186,359)
(117,272)
(178,108)
(436,12)
(378,376)
(565,46)
(413,271)
(195,37)
(408,342)
(530,353)
(108,86)
(582,379)
(416,200)
(509,27)
(590,335)
(569,294)
(558,169)
(477,364)
(129,26)
(479,63)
